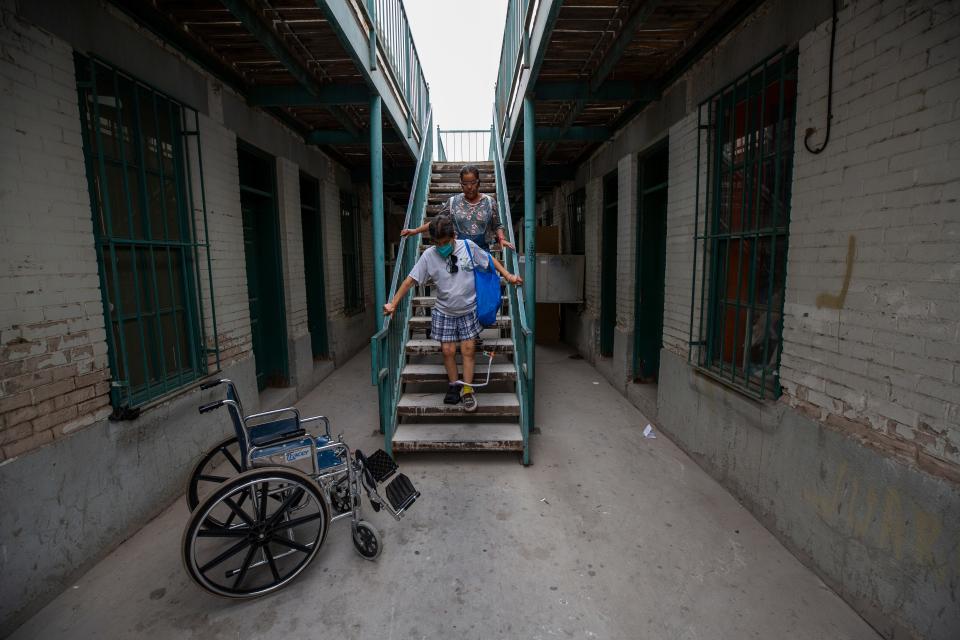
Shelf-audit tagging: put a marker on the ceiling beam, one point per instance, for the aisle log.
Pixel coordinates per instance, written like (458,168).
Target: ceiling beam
(615,52)
(299,96)
(253,23)
(609,91)
(335,136)
(590,134)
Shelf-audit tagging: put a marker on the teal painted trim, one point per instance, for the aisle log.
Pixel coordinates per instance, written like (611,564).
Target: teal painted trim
(624,38)
(596,134)
(376,188)
(611,90)
(530,235)
(298,96)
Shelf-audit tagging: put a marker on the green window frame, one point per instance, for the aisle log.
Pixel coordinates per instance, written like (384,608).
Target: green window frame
(141,199)
(748,130)
(350,249)
(576,217)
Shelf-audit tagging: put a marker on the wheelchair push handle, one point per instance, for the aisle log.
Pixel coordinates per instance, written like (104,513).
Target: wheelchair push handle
(211,384)
(210,406)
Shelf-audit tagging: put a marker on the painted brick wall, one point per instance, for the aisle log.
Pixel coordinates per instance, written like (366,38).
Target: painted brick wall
(591,222)
(626,239)
(879,349)
(294,275)
(225,223)
(332,258)
(53,352)
(681,197)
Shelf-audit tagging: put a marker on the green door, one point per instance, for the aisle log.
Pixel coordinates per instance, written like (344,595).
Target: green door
(651,263)
(261,242)
(608,264)
(313,265)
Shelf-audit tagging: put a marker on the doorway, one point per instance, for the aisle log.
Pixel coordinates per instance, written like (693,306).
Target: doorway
(312,227)
(608,264)
(651,262)
(261,243)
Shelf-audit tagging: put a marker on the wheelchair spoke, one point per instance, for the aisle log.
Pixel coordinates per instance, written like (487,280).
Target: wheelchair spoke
(221,532)
(231,459)
(245,566)
(207,478)
(287,503)
(262,509)
(238,511)
(290,543)
(226,555)
(243,498)
(273,564)
(296,522)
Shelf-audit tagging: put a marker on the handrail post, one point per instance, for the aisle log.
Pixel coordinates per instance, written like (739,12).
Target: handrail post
(376,188)
(530,233)
(372,9)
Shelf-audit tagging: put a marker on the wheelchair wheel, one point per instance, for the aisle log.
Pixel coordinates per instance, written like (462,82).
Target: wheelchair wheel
(273,534)
(366,540)
(219,465)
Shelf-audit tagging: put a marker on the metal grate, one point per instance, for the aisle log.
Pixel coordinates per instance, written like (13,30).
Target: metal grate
(141,194)
(748,130)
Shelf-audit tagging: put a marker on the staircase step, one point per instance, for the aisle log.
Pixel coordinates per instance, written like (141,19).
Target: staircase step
(454,176)
(419,346)
(454,187)
(460,436)
(423,322)
(429,301)
(436,372)
(431,404)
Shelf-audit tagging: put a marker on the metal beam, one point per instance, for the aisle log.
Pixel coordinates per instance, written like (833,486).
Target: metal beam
(613,54)
(327,136)
(530,235)
(275,45)
(299,96)
(609,91)
(376,197)
(590,134)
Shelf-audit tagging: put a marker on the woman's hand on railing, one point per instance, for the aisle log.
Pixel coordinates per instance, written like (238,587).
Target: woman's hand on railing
(408,232)
(514,279)
(506,243)
(389,308)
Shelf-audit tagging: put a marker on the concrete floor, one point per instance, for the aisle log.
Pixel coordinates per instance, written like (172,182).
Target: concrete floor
(608,535)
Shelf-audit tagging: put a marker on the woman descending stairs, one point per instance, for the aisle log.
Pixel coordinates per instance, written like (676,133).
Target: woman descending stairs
(424,421)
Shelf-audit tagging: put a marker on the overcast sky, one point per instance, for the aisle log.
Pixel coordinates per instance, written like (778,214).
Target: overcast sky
(459,46)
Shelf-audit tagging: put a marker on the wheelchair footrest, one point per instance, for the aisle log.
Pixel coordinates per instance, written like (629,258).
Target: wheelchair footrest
(401,493)
(380,465)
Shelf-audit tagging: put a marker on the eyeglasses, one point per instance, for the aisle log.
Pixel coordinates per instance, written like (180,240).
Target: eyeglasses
(469,183)
(452,264)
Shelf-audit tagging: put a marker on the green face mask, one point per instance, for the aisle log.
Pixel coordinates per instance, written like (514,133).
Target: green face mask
(445,250)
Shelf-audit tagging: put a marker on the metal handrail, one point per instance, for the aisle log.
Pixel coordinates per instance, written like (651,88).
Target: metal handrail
(387,346)
(464,145)
(523,339)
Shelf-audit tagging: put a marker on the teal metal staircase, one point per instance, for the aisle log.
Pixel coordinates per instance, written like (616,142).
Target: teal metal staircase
(407,365)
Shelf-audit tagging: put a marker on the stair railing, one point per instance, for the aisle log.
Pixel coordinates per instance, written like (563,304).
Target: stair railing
(523,339)
(388,346)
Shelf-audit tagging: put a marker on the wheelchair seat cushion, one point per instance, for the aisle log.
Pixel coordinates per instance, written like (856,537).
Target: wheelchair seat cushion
(269,432)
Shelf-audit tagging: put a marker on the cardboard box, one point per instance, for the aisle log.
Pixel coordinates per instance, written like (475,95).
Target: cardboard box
(547,330)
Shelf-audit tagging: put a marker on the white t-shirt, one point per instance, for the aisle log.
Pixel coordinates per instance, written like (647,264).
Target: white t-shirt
(456,292)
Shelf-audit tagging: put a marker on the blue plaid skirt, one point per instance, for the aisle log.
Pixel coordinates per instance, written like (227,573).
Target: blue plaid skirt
(454,328)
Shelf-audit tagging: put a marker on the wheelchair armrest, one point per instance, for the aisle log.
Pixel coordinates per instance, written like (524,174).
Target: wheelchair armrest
(280,438)
(326,424)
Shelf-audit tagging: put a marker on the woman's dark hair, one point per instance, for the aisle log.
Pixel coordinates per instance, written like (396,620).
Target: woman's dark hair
(441,228)
(469,168)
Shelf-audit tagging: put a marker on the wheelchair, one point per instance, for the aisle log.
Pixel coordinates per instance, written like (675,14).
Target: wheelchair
(261,502)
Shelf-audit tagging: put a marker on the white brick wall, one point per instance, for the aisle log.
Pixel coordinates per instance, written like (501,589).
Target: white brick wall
(681,200)
(225,223)
(889,178)
(626,239)
(53,353)
(591,220)
(291,232)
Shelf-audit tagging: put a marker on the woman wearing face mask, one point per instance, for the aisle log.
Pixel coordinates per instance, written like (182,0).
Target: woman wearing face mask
(454,318)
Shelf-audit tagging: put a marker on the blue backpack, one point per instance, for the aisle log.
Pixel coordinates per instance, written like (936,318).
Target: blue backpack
(487,283)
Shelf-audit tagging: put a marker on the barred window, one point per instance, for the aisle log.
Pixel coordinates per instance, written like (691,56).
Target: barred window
(742,238)
(135,155)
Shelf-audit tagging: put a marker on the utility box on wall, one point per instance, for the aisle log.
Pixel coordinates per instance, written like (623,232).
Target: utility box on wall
(559,278)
